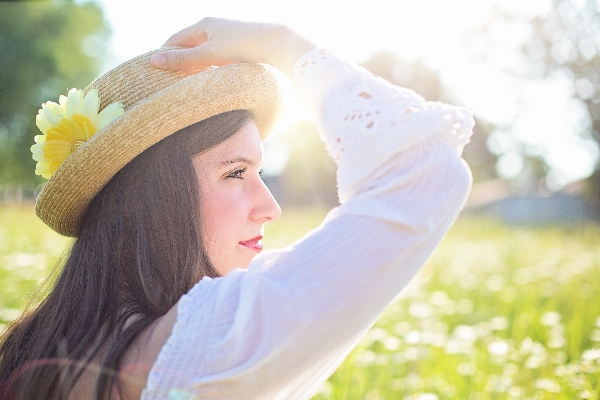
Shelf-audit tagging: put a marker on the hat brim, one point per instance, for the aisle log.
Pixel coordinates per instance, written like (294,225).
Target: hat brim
(65,197)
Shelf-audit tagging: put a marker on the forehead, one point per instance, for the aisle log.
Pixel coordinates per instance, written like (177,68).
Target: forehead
(246,144)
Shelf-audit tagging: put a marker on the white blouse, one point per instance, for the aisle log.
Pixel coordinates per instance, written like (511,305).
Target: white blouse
(280,328)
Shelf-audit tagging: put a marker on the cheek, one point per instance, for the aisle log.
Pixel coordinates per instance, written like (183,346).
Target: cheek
(213,211)
(222,214)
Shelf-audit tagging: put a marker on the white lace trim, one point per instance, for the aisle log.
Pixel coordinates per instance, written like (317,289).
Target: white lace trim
(392,119)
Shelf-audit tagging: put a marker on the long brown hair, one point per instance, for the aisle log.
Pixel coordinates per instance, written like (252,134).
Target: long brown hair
(139,249)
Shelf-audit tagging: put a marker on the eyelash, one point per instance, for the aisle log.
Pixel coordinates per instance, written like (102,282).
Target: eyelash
(239,172)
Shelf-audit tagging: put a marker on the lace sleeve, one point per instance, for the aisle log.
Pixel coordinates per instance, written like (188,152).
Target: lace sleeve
(365,121)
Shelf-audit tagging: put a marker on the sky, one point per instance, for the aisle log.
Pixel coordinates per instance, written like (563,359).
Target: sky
(430,30)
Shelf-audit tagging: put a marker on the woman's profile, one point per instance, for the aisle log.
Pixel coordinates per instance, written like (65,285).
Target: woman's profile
(154,169)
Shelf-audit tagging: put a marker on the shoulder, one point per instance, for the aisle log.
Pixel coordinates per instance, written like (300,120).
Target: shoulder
(141,355)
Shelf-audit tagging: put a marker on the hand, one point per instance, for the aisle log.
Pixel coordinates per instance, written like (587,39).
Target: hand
(218,41)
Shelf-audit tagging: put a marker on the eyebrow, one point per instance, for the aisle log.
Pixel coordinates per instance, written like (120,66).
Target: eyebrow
(238,159)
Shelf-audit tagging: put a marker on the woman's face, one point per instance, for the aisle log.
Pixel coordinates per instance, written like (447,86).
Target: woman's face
(235,203)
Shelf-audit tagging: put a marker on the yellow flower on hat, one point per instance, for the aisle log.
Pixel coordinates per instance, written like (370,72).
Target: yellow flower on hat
(66,126)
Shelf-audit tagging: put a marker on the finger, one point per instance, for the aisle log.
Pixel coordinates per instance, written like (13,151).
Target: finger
(185,58)
(191,36)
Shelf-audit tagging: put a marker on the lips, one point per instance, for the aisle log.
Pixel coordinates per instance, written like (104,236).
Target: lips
(253,244)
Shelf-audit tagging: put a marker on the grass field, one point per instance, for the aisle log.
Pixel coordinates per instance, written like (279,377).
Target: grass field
(497,312)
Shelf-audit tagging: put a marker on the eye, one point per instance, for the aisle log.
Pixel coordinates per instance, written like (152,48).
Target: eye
(238,173)
(260,173)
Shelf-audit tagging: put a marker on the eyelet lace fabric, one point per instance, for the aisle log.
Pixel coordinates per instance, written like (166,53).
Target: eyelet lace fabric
(280,328)
(375,121)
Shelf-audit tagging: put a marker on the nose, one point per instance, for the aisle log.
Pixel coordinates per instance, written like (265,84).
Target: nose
(266,207)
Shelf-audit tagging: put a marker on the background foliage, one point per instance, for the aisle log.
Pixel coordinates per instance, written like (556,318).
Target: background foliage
(45,49)
(565,42)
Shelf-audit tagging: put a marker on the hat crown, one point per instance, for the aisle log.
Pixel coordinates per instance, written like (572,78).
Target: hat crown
(135,80)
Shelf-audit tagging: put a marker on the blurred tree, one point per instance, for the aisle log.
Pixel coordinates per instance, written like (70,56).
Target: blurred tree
(46,48)
(564,41)
(309,176)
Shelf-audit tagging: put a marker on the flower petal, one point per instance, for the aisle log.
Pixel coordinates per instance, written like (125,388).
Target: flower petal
(109,114)
(42,122)
(57,150)
(71,130)
(37,152)
(39,138)
(53,113)
(85,127)
(61,134)
(74,102)
(54,165)
(62,102)
(91,104)
(43,169)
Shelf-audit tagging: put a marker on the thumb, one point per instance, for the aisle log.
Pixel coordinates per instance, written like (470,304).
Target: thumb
(183,58)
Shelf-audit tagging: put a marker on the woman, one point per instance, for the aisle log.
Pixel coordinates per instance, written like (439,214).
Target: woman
(165,294)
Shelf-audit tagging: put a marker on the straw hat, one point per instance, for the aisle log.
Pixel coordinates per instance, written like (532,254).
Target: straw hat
(157,103)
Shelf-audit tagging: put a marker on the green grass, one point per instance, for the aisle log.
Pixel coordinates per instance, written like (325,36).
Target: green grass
(28,250)
(496,313)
